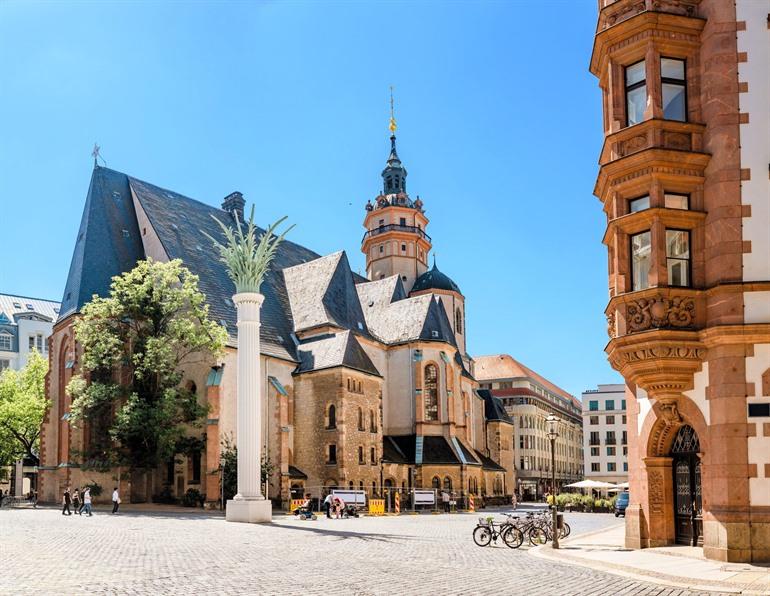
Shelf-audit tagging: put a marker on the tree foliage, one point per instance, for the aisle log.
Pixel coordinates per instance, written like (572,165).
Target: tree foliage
(22,407)
(136,344)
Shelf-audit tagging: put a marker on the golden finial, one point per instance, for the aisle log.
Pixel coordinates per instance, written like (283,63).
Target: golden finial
(392,114)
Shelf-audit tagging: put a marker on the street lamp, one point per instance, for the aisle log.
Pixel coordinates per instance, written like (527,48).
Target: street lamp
(553,433)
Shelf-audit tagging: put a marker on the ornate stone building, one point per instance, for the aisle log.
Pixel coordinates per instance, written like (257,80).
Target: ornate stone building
(367,381)
(683,180)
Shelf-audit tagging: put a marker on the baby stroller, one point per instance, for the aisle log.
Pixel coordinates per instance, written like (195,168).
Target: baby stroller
(350,511)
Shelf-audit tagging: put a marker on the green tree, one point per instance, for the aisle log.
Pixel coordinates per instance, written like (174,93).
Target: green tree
(22,408)
(136,343)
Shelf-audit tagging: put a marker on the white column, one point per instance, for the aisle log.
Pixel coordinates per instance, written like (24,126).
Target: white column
(249,505)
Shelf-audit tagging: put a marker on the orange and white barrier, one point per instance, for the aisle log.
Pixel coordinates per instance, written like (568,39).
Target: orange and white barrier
(295,504)
(398,503)
(471,504)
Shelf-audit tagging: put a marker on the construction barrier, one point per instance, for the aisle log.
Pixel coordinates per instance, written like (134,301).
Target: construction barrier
(471,504)
(376,506)
(398,502)
(295,504)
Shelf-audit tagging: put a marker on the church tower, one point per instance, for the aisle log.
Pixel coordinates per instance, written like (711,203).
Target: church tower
(395,242)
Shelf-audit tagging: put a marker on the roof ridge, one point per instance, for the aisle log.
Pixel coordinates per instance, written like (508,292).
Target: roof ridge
(28,297)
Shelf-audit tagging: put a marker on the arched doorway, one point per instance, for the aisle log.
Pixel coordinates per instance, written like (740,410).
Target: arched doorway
(688,506)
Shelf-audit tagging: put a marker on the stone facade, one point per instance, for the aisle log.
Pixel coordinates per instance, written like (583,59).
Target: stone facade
(683,181)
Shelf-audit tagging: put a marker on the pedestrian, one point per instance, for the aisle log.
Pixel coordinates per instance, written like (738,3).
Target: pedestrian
(445,500)
(76,502)
(87,500)
(115,500)
(328,505)
(82,500)
(66,501)
(513,500)
(1,497)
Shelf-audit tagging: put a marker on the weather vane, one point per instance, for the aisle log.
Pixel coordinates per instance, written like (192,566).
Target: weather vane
(392,113)
(95,154)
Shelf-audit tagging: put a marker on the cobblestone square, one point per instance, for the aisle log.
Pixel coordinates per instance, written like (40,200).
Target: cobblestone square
(180,553)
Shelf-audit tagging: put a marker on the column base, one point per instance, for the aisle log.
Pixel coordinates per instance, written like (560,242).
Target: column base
(249,511)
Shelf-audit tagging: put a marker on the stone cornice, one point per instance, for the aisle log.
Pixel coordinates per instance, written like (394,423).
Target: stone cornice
(724,335)
(655,132)
(651,162)
(636,30)
(632,223)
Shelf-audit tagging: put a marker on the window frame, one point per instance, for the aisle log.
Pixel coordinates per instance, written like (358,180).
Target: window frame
(434,407)
(639,198)
(688,259)
(6,337)
(670,81)
(627,88)
(676,194)
(631,256)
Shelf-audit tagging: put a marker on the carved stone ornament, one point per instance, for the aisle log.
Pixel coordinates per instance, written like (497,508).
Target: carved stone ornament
(659,312)
(634,144)
(611,327)
(660,352)
(677,140)
(655,496)
(670,414)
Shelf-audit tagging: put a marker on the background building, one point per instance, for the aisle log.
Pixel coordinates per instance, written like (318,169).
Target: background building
(684,184)
(605,439)
(529,398)
(25,325)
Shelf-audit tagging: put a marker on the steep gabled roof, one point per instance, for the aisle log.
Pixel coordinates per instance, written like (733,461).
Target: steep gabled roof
(331,350)
(179,222)
(108,241)
(322,292)
(493,407)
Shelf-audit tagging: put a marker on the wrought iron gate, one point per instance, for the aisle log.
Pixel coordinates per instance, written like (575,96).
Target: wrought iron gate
(688,507)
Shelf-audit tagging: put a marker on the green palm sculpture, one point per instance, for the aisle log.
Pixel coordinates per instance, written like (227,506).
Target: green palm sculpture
(246,259)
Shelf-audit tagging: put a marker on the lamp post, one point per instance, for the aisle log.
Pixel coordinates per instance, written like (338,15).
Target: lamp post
(553,433)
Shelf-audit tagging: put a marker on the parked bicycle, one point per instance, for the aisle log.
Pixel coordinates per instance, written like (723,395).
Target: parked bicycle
(487,531)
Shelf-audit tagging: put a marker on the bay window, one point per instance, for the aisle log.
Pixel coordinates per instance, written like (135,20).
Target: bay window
(639,204)
(640,261)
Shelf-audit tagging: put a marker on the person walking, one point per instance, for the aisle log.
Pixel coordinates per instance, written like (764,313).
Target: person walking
(445,500)
(82,500)
(66,501)
(328,506)
(76,501)
(115,500)
(87,500)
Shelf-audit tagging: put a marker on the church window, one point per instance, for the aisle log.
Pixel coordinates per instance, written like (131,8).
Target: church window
(372,422)
(361,456)
(436,483)
(360,419)
(431,392)
(458,321)
(373,456)
(360,485)
(332,459)
(331,421)
(447,483)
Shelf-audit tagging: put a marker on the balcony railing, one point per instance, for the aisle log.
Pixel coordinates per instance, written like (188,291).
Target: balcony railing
(396,228)
(594,442)
(610,441)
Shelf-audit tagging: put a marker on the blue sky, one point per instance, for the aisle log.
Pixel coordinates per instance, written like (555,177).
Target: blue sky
(499,127)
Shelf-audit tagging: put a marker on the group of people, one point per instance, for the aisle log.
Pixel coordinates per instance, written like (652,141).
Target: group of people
(334,506)
(80,505)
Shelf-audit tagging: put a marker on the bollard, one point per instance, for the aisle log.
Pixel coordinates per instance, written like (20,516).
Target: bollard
(398,503)
(471,504)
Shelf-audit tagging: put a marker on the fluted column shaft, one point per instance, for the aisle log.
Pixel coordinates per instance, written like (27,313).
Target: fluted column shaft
(249,396)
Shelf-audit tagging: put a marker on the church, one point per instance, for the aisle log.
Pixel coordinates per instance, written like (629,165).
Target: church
(367,383)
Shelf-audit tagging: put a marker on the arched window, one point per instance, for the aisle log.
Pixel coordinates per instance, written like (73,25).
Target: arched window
(361,455)
(436,482)
(430,391)
(360,419)
(332,417)
(372,422)
(350,485)
(447,483)
(191,387)
(458,320)
(360,485)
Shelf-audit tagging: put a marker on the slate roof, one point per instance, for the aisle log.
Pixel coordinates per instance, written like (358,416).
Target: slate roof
(392,450)
(322,292)
(433,279)
(470,457)
(104,250)
(487,463)
(403,319)
(108,241)
(40,306)
(436,450)
(333,349)
(493,407)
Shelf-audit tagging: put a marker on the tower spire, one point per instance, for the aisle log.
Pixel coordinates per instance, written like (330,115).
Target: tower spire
(392,125)
(394,174)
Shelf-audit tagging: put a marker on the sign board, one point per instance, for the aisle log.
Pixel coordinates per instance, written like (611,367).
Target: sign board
(351,497)
(424,497)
